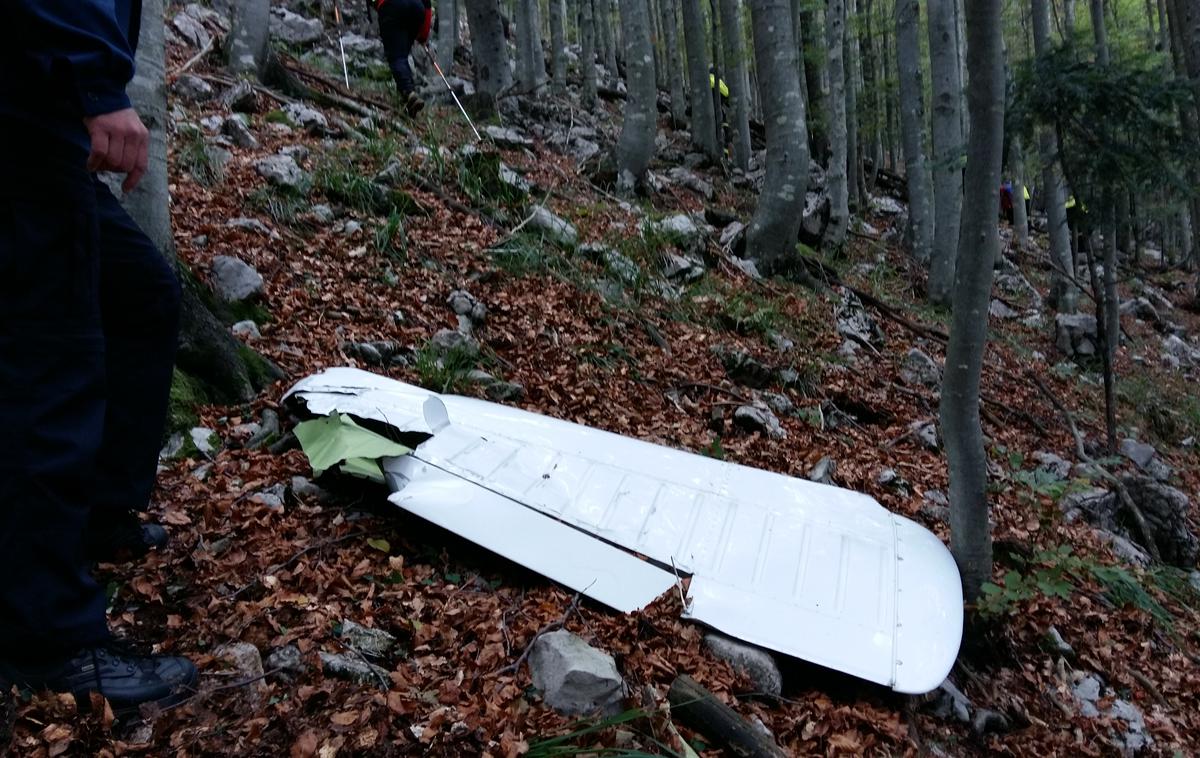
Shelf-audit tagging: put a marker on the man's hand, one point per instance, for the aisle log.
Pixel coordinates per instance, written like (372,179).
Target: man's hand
(120,143)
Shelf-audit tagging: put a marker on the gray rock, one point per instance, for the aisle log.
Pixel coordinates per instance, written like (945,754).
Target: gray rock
(353,669)
(286,660)
(554,227)
(235,281)
(245,659)
(1166,510)
(1052,465)
(1139,453)
(236,130)
(450,340)
(780,342)
(758,419)
(211,124)
(919,369)
(744,368)
(1001,310)
(854,323)
(192,88)
(514,180)
(583,150)
(950,701)
(732,234)
(204,440)
(191,29)
(373,643)
(250,224)
(1088,691)
(886,206)
(240,98)
(1184,355)
(749,267)
(510,138)
(989,722)
(293,28)
(1194,580)
(683,268)
(1057,644)
(322,213)
(307,118)
(302,487)
(356,44)
(926,433)
(688,179)
(1075,334)
(754,663)
(247,329)
(273,497)
(823,472)
(282,171)
(575,678)
(681,226)
(463,303)
(351,228)
(780,404)
(886,477)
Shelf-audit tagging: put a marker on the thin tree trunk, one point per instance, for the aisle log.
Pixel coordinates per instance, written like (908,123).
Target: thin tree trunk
(872,93)
(604,23)
(739,82)
(1064,294)
(531,60)
(1068,31)
(814,60)
(947,148)
(704,126)
(771,239)
(1020,216)
(490,51)
(636,146)
(970,534)
(850,65)
(912,124)
(836,176)
(447,38)
(671,32)
(587,58)
(558,41)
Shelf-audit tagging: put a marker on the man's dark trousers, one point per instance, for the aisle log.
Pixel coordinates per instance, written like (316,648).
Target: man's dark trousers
(399,22)
(88,328)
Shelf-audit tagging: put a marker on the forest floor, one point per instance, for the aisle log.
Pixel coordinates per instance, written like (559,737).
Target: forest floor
(240,569)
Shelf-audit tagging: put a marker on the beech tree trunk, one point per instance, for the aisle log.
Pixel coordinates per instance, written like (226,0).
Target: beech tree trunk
(970,535)
(1064,294)
(207,349)
(670,15)
(947,148)
(636,146)
(850,65)
(447,36)
(558,41)
(912,125)
(604,26)
(492,74)
(531,63)
(704,125)
(249,38)
(587,57)
(738,81)
(814,68)
(836,176)
(771,239)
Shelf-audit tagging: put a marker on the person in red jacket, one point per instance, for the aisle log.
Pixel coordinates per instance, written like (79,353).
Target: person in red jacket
(402,23)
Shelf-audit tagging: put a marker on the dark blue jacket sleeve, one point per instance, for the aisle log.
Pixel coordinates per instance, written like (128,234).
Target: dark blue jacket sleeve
(82,42)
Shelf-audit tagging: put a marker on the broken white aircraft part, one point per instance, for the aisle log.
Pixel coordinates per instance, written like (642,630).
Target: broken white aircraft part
(813,571)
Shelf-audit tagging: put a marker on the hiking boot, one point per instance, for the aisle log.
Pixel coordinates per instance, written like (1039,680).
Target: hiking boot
(110,539)
(412,104)
(125,680)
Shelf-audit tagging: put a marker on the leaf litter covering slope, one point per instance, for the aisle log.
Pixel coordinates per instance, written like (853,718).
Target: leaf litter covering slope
(241,571)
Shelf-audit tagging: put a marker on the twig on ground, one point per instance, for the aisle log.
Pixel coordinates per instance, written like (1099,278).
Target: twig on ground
(1123,497)
(553,626)
(192,61)
(231,686)
(281,566)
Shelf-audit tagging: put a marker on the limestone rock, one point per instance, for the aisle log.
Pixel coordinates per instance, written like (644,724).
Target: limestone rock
(575,678)
(756,664)
(281,170)
(373,643)
(556,228)
(353,669)
(192,88)
(919,369)
(235,281)
(753,418)
(293,28)
(1075,334)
